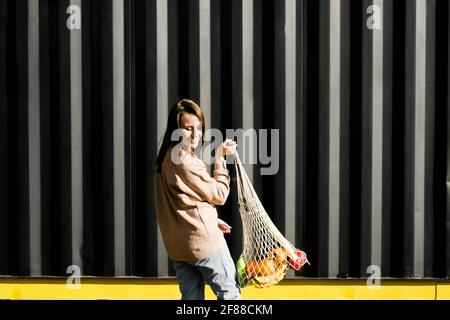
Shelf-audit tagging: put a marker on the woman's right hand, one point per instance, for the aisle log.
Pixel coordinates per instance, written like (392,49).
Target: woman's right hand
(223,226)
(226,148)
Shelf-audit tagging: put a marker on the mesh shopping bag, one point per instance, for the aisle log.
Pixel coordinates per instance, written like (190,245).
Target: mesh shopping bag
(267,255)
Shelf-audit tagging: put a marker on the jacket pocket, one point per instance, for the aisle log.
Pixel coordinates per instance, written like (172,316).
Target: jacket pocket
(208,217)
(203,220)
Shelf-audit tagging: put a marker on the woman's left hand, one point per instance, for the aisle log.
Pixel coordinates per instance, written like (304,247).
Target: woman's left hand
(223,226)
(226,148)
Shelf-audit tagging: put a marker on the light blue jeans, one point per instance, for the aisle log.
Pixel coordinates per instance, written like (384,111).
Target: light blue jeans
(218,270)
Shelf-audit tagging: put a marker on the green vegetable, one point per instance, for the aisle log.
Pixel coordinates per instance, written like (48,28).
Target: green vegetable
(241,275)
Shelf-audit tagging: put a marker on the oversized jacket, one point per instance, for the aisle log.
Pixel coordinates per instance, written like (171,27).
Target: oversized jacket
(186,197)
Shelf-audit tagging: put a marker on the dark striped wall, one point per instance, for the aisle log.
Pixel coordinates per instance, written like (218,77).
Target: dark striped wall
(364,151)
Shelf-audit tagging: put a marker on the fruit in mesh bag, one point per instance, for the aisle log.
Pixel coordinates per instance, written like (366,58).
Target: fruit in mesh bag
(266,267)
(240,270)
(251,269)
(298,262)
(274,278)
(263,267)
(266,271)
(279,256)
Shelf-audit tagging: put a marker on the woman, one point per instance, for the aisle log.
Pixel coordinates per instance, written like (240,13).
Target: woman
(186,196)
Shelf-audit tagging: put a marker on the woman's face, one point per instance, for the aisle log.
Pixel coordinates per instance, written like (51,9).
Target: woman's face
(191,130)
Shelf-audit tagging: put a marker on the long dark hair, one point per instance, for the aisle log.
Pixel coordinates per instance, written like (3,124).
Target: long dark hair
(181,107)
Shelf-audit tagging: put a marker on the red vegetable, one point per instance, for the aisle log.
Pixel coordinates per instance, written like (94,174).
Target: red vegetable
(298,263)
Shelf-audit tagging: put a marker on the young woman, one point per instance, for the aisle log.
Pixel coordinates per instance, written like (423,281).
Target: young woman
(186,200)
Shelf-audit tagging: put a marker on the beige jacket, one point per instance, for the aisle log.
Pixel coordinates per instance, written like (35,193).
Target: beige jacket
(186,196)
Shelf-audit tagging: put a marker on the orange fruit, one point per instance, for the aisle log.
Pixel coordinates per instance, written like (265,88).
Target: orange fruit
(251,269)
(279,255)
(266,267)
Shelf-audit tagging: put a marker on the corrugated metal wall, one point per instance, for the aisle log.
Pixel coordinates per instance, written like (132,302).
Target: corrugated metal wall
(358,91)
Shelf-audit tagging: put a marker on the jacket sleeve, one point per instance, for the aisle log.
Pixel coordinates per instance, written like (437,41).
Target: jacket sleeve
(193,178)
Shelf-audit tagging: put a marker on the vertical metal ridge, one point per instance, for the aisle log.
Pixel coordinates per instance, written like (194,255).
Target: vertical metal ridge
(407,262)
(19,161)
(192,42)
(232,96)
(323,139)
(176,87)
(290,118)
(4,218)
(216,60)
(205,63)
(377,140)
(257,60)
(162,103)
(130,88)
(345,139)
(447,229)
(335,143)
(119,135)
(76,118)
(431,165)
(366,141)
(247,84)
(387,170)
(205,58)
(236,62)
(278,120)
(419,136)
(34,138)
(301,74)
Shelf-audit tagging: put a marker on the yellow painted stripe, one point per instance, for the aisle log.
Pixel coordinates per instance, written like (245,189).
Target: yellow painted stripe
(167,289)
(443,291)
